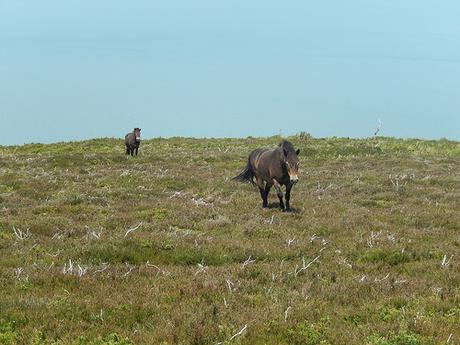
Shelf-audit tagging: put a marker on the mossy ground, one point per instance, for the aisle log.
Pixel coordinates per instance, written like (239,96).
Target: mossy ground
(382,214)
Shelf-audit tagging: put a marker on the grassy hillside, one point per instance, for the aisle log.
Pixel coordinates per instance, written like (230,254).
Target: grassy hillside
(164,248)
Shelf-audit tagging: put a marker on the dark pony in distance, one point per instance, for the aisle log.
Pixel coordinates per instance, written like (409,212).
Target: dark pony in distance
(269,168)
(132,141)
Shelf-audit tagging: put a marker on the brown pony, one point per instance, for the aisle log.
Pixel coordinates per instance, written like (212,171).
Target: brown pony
(132,141)
(272,168)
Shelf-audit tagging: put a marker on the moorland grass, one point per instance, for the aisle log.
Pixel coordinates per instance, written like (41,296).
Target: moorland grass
(375,227)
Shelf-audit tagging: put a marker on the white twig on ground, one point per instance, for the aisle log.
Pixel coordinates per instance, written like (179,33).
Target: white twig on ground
(199,202)
(240,332)
(129,271)
(201,268)
(247,262)
(21,235)
(133,229)
(446,262)
(305,266)
(176,194)
(286,312)
(82,270)
(18,272)
(57,235)
(380,280)
(225,303)
(449,338)
(402,281)
(54,255)
(164,272)
(290,241)
(68,267)
(104,267)
(230,285)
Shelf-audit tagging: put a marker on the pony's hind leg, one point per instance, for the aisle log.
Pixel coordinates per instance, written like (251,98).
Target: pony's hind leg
(279,192)
(268,186)
(263,193)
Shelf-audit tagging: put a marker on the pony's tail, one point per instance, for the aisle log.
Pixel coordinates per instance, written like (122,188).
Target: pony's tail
(247,175)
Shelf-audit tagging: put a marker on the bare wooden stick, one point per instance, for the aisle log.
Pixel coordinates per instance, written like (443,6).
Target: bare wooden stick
(247,262)
(240,332)
(304,267)
(132,229)
(286,313)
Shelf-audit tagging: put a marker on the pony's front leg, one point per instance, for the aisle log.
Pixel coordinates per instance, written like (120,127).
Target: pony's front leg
(279,192)
(288,196)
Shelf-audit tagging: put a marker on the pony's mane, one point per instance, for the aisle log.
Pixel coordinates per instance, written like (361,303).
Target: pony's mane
(286,145)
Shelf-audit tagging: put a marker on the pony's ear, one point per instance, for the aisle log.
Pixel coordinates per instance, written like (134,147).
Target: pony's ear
(297,152)
(285,153)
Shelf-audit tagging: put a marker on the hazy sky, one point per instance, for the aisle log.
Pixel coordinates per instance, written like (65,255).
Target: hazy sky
(78,69)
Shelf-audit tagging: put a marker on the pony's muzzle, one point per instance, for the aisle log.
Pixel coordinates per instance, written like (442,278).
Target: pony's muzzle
(138,138)
(294,179)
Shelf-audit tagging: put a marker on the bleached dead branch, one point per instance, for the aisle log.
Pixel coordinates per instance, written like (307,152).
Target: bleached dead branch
(133,229)
(157,268)
(18,272)
(58,235)
(230,285)
(400,180)
(68,267)
(446,262)
(449,338)
(201,268)
(402,281)
(247,262)
(286,312)
(101,316)
(270,220)
(290,241)
(239,333)
(176,194)
(82,270)
(54,255)
(382,279)
(21,235)
(297,270)
(96,234)
(200,202)
(129,271)
(374,236)
(104,267)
